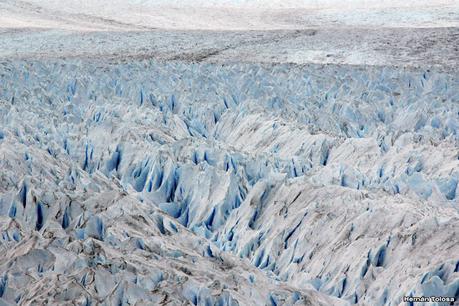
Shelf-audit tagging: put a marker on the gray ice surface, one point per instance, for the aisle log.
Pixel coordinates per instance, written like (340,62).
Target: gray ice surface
(251,161)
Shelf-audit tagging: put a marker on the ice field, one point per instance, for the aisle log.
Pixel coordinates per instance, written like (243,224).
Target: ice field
(309,161)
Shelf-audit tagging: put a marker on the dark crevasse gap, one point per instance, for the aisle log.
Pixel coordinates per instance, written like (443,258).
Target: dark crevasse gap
(40,216)
(65,219)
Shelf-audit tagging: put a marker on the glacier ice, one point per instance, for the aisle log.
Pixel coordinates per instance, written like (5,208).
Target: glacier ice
(155,182)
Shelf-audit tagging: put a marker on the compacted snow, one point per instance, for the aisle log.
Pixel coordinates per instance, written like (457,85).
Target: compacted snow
(292,164)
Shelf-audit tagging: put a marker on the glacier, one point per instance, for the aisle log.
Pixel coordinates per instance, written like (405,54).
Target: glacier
(227,184)
(229,152)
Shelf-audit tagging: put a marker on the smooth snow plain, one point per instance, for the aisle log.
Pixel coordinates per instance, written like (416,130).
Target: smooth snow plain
(302,164)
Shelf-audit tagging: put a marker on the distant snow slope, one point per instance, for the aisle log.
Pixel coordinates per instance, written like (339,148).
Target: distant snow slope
(225,15)
(402,47)
(415,33)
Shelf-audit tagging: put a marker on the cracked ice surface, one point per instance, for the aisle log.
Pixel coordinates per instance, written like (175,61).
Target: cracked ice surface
(156,182)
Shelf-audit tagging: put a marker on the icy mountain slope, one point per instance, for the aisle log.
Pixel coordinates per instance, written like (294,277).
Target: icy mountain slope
(397,47)
(339,183)
(375,33)
(122,15)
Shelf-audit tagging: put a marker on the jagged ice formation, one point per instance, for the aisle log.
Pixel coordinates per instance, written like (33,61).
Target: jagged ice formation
(156,182)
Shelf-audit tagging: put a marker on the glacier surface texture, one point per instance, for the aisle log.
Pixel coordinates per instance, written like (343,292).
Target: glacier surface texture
(258,153)
(160,182)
